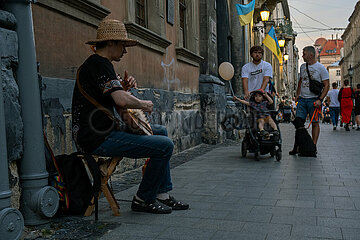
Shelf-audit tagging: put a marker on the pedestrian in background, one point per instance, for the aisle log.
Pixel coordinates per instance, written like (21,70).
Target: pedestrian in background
(307,100)
(256,74)
(357,106)
(334,104)
(345,97)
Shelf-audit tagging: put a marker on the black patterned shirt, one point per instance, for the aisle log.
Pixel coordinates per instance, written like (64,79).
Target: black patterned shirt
(90,125)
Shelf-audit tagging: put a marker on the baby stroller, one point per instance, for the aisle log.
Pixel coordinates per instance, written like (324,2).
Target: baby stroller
(253,142)
(326,118)
(287,114)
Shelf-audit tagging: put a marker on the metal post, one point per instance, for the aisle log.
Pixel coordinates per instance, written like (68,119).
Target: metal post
(38,201)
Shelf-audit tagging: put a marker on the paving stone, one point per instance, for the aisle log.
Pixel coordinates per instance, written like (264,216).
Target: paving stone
(351,233)
(294,220)
(338,222)
(295,203)
(136,230)
(273,229)
(224,225)
(314,212)
(316,232)
(275,211)
(237,236)
(186,233)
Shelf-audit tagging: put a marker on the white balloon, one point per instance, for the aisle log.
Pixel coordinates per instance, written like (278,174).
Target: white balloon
(226,70)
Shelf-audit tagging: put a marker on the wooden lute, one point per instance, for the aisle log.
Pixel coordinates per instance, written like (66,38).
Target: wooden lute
(135,119)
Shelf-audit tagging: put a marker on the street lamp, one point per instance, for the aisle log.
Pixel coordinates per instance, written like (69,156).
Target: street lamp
(281,42)
(264,13)
(286,57)
(350,72)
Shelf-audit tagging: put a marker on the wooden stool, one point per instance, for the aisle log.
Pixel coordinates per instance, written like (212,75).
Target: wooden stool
(106,168)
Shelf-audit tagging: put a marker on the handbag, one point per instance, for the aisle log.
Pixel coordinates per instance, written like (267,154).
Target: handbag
(315,87)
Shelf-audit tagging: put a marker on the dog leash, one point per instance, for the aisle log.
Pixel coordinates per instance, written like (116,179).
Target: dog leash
(315,115)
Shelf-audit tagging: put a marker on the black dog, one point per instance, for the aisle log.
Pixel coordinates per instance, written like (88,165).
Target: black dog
(304,144)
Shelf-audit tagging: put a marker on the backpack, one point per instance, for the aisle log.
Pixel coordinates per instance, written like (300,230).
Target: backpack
(67,174)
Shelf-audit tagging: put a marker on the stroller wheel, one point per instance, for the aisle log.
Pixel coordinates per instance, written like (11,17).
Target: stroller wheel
(243,149)
(278,155)
(272,152)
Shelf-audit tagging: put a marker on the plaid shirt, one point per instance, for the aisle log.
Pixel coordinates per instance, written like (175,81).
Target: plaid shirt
(261,109)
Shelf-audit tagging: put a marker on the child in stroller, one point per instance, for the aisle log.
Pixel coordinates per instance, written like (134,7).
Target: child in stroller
(259,104)
(257,139)
(326,113)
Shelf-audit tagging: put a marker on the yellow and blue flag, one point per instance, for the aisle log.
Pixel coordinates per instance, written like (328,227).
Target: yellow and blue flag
(245,12)
(271,42)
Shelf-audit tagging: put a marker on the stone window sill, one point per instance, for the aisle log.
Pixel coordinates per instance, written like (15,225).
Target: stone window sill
(147,37)
(188,56)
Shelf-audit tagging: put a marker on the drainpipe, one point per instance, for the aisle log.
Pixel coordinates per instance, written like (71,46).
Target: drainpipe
(11,220)
(38,201)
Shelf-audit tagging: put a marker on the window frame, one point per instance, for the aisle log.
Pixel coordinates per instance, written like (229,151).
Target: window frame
(182,21)
(140,9)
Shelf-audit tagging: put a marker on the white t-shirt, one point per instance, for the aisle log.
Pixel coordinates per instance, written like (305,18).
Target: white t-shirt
(317,72)
(333,95)
(256,73)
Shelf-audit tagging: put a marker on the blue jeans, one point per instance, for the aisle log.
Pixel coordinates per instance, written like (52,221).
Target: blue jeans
(157,147)
(304,107)
(334,113)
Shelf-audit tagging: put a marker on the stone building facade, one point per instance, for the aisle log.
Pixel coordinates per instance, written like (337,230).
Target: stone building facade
(351,57)
(334,73)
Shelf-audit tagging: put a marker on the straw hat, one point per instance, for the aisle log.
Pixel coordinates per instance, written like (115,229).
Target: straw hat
(111,29)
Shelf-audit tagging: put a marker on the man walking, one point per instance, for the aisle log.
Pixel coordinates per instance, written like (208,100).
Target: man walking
(334,105)
(307,100)
(256,74)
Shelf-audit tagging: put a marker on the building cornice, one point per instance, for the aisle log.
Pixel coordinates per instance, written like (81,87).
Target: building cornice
(147,37)
(87,11)
(187,56)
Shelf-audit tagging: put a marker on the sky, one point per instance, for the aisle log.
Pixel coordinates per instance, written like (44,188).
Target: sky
(327,13)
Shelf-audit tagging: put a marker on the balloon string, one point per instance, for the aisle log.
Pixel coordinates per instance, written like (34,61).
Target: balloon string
(231,88)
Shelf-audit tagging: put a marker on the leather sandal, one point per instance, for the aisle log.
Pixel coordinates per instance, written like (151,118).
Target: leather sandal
(155,207)
(174,204)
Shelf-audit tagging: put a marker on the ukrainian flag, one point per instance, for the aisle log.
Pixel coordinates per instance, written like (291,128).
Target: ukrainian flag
(245,12)
(271,42)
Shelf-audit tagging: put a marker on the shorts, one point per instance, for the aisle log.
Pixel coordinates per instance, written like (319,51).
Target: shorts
(266,119)
(304,107)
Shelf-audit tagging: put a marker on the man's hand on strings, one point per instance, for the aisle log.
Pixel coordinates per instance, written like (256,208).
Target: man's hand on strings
(130,81)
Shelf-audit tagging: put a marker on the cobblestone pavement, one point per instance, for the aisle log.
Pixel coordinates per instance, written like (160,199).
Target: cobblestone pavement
(238,198)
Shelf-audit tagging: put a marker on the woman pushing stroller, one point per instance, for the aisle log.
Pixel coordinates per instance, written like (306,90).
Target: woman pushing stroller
(259,102)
